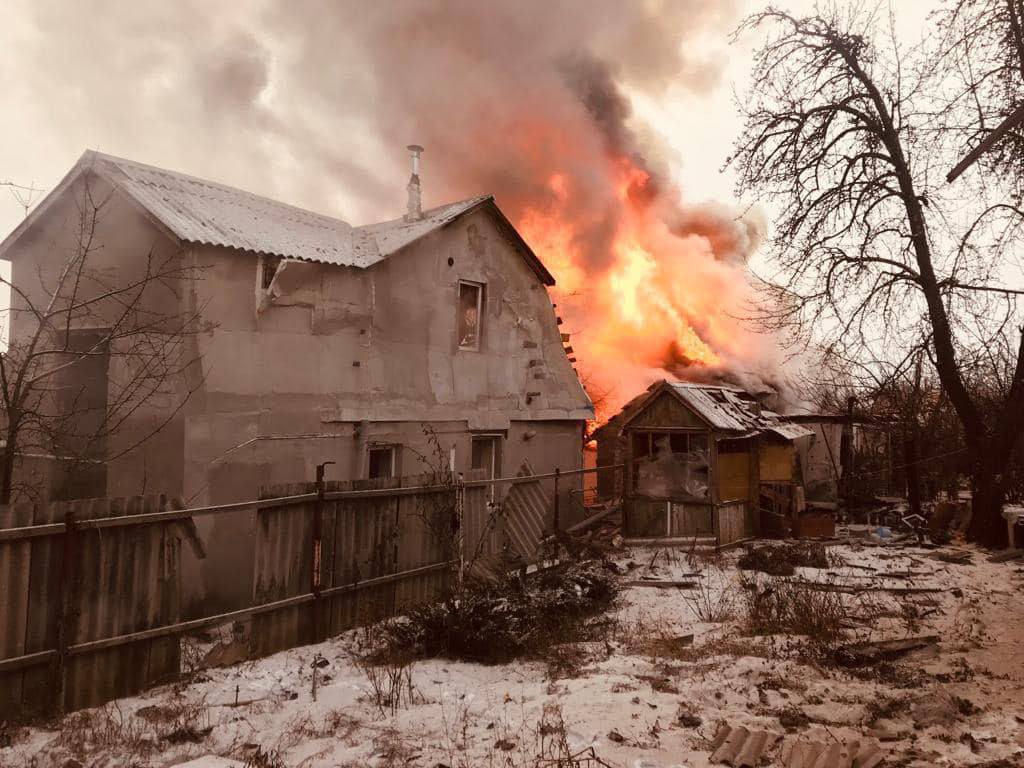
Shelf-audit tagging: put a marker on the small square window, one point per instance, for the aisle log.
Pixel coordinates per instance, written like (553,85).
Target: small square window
(382,462)
(469,326)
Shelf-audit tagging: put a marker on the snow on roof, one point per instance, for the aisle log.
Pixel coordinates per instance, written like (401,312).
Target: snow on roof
(195,210)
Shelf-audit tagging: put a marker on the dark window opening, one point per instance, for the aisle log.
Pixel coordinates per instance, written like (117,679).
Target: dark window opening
(382,462)
(270,265)
(470,320)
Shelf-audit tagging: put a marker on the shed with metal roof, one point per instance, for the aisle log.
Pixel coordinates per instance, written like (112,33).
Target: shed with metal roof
(708,462)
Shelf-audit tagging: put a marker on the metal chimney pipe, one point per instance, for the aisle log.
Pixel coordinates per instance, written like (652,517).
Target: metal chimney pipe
(414,207)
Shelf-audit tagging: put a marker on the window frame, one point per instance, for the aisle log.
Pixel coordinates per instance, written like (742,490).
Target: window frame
(650,435)
(496,441)
(268,266)
(392,450)
(480,299)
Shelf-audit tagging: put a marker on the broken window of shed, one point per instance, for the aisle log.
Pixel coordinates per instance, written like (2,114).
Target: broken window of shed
(471,296)
(675,464)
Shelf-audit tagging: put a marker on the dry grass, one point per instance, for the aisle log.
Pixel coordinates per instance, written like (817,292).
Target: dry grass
(784,607)
(714,597)
(389,680)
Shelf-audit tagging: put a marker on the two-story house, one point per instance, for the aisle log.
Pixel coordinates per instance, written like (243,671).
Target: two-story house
(320,341)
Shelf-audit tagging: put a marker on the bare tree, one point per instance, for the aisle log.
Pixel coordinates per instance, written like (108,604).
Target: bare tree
(101,356)
(984,44)
(849,134)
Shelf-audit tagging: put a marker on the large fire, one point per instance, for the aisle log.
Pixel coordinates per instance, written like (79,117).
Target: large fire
(664,303)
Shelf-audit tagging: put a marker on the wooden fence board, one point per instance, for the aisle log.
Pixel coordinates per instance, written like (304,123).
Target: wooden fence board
(15,560)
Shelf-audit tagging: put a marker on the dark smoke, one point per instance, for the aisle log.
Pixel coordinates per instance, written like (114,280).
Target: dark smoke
(314,102)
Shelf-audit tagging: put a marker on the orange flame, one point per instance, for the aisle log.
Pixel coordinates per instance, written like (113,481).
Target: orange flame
(661,305)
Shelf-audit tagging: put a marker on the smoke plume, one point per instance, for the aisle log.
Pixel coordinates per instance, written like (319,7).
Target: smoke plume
(530,101)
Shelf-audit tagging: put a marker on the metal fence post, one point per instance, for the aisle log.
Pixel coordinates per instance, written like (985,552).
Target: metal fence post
(66,594)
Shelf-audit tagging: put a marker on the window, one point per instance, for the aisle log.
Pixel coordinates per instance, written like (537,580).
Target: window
(382,462)
(470,319)
(486,455)
(268,268)
(670,464)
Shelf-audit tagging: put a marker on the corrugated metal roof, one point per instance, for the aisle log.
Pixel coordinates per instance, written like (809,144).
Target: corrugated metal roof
(734,410)
(801,753)
(200,211)
(726,408)
(740,746)
(195,210)
(374,242)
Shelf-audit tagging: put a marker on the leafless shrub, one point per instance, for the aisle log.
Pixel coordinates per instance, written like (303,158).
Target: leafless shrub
(713,599)
(785,607)
(390,682)
(393,750)
(495,623)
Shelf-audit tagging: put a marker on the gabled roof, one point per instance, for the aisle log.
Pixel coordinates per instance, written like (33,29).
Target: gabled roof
(195,210)
(723,409)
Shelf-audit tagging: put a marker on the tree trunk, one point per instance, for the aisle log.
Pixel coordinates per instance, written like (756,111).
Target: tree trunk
(987,526)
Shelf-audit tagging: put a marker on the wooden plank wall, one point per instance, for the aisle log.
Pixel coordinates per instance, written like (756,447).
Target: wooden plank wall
(120,580)
(732,523)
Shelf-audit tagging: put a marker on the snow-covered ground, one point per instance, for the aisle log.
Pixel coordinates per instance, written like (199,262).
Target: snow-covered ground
(642,696)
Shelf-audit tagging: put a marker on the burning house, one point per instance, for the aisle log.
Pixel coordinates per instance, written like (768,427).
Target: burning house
(318,341)
(703,461)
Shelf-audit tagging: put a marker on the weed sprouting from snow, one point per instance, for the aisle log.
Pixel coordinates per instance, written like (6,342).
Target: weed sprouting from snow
(389,681)
(778,606)
(713,598)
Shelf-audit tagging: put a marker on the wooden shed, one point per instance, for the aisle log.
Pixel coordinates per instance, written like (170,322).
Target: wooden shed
(707,462)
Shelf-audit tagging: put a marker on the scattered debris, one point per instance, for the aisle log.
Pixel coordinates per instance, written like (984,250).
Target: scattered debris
(741,746)
(935,707)
(798,753)
(955,556)
(1007,556)
(663,584)
(793,718)
(873,651)
(783,559)
(687,718)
